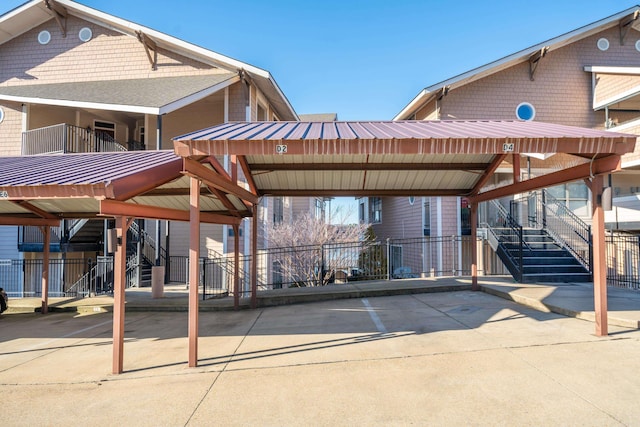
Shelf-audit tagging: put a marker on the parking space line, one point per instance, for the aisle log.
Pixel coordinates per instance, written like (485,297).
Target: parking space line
(374,316)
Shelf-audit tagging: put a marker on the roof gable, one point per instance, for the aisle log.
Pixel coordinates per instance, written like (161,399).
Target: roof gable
(34,13)
(428,93)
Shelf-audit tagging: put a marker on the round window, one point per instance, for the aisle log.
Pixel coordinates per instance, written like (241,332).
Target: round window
(44,37)
(603,44)
(525,111)
(1,114)
(412,200)
(638,45)
(85,34)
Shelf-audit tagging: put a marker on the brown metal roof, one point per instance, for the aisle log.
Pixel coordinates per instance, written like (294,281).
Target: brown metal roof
(78,186)
(394,158)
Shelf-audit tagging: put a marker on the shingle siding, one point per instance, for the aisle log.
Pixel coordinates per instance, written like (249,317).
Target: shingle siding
(109,55)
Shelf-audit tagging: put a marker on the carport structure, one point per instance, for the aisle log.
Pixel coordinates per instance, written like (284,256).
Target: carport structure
(415,158)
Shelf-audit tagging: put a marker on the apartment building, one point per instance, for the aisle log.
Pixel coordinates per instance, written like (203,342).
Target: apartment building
(589,77)
(75,79)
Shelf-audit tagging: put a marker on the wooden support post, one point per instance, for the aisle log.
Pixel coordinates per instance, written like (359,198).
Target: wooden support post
(194,268)
(119,279)
(599,258)
(236,267)
(46,231)
(516,168)
(254,257)
(474,247)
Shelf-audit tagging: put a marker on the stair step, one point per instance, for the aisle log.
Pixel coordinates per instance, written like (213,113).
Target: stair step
(550,260)
(554,269)
(556,277)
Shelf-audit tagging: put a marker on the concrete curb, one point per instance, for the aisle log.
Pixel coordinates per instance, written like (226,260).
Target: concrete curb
(551,308)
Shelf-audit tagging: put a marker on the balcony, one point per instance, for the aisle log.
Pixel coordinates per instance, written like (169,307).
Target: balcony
(63,138)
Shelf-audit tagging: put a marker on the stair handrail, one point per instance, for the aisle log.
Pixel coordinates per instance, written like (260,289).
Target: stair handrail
(568,229)
(513,236)
(148,245)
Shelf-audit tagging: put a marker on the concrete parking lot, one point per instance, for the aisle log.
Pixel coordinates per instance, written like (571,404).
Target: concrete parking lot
(455,358)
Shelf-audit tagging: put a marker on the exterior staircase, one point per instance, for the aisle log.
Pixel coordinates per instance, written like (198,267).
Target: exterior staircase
(540,258)
(555,245)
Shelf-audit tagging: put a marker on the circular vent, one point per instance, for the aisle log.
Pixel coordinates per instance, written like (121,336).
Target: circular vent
(85,34)
(525,111)
(44,37)
(1,115)
(603,44)
(638,45)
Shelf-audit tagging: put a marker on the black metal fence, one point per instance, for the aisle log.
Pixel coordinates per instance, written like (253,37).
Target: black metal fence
(623,260)
(304,266)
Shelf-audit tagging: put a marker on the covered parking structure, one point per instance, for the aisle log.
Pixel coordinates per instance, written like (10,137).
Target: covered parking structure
(415,158)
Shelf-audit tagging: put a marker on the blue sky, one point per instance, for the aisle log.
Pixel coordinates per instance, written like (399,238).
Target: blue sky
(363,59)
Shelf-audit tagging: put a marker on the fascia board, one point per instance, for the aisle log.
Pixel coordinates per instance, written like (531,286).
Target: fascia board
(81,104)
(194,97)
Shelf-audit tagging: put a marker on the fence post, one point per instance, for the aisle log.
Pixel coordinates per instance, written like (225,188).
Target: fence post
(453,255)
(322,266)
(388,260)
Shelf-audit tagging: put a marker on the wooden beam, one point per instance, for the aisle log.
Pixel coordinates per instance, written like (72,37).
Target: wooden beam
(194,269)
(120,267)
(597,167)
(599,257)
(626,23)
(46,233)
(115,208)
(59,12)
(271,167)
(215,164)
(195,169)
(516,168)
(534,60)
(363,193)
(149,44)
(488,173)
(247,174)
(254,257)
(236,267)
(36,210)
(13,220)
(474,247)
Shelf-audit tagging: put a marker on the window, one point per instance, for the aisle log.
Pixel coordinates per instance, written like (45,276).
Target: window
(105,128)
(465,217)
(361,211)
(426,222)
(574,195)
(230,232)
(278,210)
(375,210)
(319,208)
(525,111)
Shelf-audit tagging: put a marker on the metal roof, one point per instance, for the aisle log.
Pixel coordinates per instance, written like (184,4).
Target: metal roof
(151,96)
(53,187)
(393,158)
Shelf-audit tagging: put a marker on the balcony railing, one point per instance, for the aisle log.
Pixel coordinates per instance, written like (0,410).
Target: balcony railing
(64,138)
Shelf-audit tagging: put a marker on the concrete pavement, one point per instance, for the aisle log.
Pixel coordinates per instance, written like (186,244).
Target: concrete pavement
(448,358)
(569,299)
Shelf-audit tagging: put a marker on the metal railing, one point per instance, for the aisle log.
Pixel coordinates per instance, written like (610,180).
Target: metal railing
(64,138)
(623,260)
(508,234)
(565,227)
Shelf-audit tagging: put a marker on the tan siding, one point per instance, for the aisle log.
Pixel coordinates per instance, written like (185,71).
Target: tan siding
(237,102)
(561,91)
(400,219)
(109,55)
(610,85)
(428,112)
(205,113)
(11,129)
